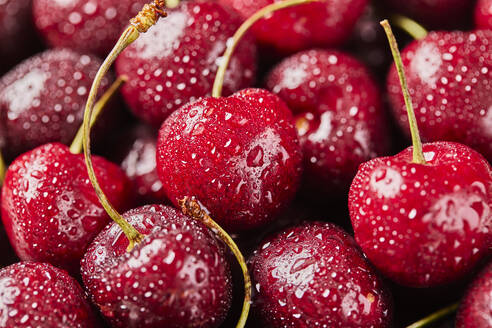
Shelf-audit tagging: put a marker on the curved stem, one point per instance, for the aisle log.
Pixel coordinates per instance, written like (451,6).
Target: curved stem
(232,43)
(76,146)
(3,169)
(172,3)
(418,155)
(436,316)
(414,29)
(192,207)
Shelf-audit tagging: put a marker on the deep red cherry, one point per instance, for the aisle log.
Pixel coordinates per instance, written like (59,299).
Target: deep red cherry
(476,307)
(175,62)
(49,209)
(483,14)
(85,26)
(340,116)
(177,276)
(449,76)
(314,275)
(42,100)
(424,224)
(40,295)
(326,23)
(239,156)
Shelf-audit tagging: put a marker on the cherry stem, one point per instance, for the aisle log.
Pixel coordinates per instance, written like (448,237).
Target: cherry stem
(418,155)
(414,29)
(172,3)
(140,24)
(436,316)
(3,169)
(232,43)
(76,146)
(192,207)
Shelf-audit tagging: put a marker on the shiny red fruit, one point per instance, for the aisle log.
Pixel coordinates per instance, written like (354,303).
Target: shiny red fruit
(40,295)
(238,155)
(49,208)
(424,225)
(314,275)
(177,276)
(449,76)
(176,61)
(483,14)
(85,26)
(340,116)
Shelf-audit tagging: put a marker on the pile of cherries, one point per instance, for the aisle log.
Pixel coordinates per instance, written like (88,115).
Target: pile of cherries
(303,161)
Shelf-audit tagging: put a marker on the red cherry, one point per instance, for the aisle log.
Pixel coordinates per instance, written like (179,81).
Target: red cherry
(49,208)
(175,62)
(483,14)
(327,23)
(177,276)
(314,275)
(340,116)
(85,26)
(449,76)
(238,155)
(40,295)
(476,307)
(42,99)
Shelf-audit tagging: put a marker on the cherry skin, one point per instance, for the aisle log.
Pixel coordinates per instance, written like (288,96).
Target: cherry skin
(175,62)
(475,309)
(239,156)
(483,14)
(40,295)
(177,276)
(424,225)
(49,209)
(340,116)
(314,275)
(327,24)
(42,99)
(85,26)
(449,76)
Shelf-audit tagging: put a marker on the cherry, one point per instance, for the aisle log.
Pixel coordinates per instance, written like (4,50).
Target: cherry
(340,116)
(42,99)
(40,295)
(49,208)
(176,61)
(475,310)
(483,14)
(325,23)
(314,275)
(177,276)
(423,216)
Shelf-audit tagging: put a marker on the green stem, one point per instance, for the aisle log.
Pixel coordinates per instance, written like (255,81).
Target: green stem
(435,317)
(414,29)
(3,169)
(418,155)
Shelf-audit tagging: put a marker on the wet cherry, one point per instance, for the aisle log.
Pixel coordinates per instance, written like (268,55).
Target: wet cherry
(483,14)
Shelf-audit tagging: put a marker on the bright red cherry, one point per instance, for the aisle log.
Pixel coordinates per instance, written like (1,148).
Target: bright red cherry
(483,14)
(326,23)
(340,115)
(314,275)
(177,276)
(49,208)
(175,62)
(85,26)
(239,156)
(40,295)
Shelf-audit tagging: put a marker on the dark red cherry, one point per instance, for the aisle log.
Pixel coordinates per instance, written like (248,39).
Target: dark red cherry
(238,155)
(449,76)
(175,62)
(314,275)
(427,224)
(476,307)
(340,116)
(42,100)
(85,26)
(326,23)
(40,295)
(483,14)
(49,209)
(177,276)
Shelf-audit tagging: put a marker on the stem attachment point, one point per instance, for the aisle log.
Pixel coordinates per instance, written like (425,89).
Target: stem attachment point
(149,15)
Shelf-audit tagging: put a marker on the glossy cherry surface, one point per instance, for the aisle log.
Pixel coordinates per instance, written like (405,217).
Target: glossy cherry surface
(49,208)
(239,156)
(424,225)
(483,14)
(177,276)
